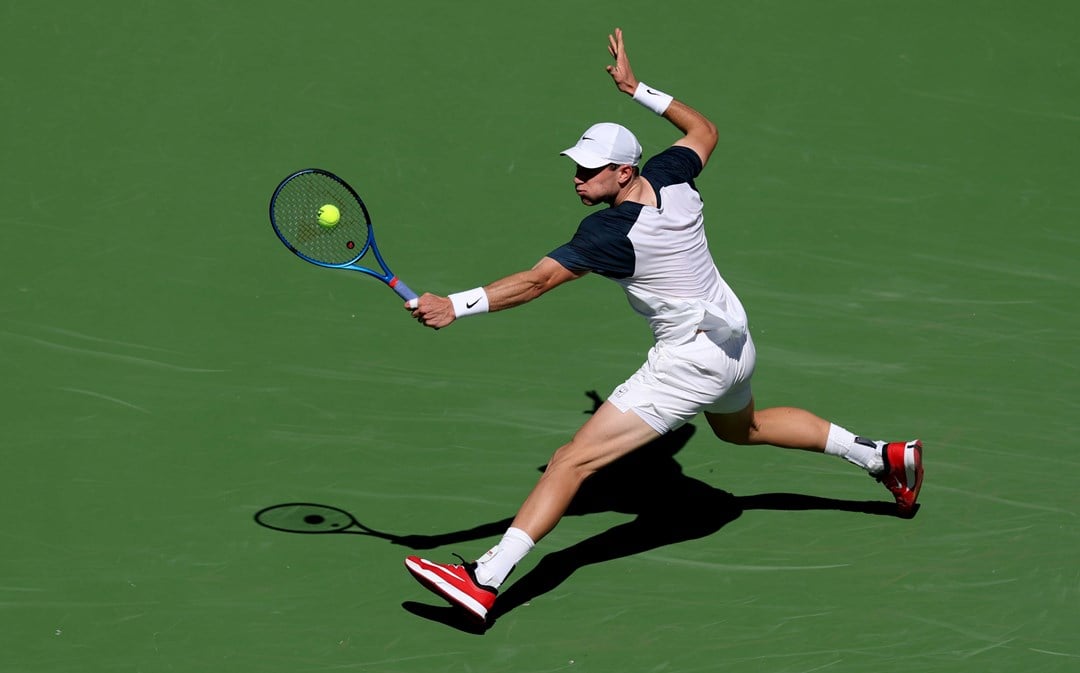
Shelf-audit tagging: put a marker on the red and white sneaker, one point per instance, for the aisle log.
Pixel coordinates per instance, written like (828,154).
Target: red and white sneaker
(903,473)
(455,583)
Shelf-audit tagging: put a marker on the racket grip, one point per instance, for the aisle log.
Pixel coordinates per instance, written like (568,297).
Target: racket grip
(404,291)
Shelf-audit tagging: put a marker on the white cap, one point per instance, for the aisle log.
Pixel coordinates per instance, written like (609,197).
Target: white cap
(604,144)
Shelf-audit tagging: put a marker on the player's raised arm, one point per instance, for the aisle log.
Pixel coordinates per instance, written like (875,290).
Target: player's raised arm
(700,134)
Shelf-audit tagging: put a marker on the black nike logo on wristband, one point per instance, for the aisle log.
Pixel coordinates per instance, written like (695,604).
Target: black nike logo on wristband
(470,305)
(655,93)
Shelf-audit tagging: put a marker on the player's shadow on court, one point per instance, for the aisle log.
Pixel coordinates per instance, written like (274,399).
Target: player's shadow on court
(669,507)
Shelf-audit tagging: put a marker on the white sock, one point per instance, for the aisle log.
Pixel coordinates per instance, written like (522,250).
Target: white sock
(865,453)
(493,567)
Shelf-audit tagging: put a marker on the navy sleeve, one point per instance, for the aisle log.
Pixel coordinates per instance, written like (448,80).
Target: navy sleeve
(601,244)
(673,166)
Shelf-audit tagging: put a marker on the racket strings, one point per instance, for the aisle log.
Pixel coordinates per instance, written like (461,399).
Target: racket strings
(296,216)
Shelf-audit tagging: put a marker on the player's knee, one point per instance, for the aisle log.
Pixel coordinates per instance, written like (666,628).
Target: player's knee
(740,427)
(733,432)
(740,436)
(573,462)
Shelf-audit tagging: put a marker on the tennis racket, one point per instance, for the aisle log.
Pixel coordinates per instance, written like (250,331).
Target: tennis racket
(295,213)
(312,519)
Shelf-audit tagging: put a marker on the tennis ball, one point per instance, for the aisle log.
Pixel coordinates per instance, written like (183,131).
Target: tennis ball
(329,215)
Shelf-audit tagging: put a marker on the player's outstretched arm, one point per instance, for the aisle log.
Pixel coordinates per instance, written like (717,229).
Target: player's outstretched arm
(522,287)
(699,134)
(513,290)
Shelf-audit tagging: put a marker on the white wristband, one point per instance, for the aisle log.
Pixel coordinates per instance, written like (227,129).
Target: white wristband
(657,101)
(469,302)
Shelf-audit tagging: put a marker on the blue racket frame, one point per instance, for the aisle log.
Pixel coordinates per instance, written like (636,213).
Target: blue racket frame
(387,276)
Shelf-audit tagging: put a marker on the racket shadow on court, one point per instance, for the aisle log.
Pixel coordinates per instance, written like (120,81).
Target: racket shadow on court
(668,507)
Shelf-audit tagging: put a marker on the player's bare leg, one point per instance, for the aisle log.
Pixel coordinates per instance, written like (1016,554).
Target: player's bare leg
(607,436)
(897,465)
(786,427)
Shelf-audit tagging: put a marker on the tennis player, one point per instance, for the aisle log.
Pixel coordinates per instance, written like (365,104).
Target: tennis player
(650,240)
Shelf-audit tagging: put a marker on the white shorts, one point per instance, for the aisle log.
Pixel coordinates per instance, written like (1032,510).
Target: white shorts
(678,382)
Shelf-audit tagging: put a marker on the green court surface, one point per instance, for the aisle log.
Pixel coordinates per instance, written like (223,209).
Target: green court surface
(894,197)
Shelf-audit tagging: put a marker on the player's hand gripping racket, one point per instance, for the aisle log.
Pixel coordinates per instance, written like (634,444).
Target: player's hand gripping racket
(317,234)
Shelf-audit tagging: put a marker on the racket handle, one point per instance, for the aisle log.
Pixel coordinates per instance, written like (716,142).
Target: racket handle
(403,291)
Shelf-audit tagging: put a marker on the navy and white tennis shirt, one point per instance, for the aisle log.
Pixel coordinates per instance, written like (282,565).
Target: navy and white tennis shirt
(660,255)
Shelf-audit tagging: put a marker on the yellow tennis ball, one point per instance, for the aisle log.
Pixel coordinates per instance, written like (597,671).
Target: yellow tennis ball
(329,215)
